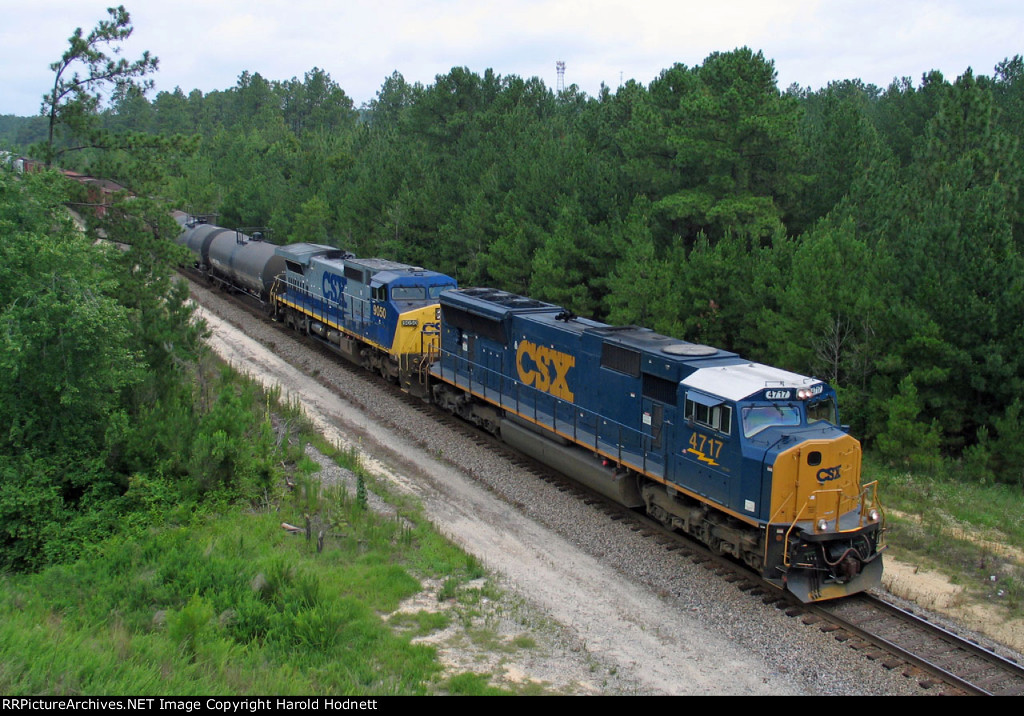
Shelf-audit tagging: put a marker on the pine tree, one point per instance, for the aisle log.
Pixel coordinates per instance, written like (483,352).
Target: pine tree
(74,102)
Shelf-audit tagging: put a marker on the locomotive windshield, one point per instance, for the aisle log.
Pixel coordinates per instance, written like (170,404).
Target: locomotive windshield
(408,293)
(435,291)
(418,293)
(760,417)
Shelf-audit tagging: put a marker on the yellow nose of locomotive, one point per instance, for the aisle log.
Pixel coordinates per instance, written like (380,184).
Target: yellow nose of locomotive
(817,481)
(833,523)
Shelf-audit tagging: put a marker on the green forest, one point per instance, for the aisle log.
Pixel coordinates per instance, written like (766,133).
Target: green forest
(869,236)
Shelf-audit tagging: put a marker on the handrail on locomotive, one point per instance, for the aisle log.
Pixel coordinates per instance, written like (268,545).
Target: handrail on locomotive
(811,514)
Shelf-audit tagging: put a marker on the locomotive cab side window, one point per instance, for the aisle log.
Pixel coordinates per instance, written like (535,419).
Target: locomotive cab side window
(709,412)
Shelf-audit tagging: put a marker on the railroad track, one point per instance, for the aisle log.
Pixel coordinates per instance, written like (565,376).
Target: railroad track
(928,651)
(896,638)
(938,659)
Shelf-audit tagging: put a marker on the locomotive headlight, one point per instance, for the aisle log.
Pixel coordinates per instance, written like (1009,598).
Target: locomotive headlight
(803,394)
(822,525)
(874,515)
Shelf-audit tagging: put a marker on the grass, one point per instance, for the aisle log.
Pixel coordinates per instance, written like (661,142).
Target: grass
(222,600)
(971,532)
(230,603)
(524,641)
(420,623)
(231,606)
(470,684)
(208,597)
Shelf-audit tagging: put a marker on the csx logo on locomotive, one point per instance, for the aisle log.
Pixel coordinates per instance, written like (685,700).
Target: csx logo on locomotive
(333,287)
(545,369)
(827,474)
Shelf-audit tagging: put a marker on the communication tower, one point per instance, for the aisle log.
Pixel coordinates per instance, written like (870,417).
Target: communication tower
(560,67)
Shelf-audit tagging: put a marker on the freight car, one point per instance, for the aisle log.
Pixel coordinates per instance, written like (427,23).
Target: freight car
(748,458)
(232,258)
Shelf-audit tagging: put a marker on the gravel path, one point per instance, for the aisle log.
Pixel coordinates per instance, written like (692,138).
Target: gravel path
(611,611)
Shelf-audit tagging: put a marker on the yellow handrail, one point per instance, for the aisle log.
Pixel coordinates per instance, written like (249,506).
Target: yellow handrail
(868,499)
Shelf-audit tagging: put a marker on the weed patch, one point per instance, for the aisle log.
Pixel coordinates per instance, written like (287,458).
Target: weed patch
(973,533)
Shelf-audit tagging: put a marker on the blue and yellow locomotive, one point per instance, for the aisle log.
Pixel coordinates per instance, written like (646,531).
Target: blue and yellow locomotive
(378,313)
(748,458)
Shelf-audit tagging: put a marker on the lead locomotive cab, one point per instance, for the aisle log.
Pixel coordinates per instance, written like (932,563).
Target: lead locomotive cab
(821,529)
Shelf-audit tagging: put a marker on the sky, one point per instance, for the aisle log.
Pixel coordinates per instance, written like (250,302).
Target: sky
(207,44)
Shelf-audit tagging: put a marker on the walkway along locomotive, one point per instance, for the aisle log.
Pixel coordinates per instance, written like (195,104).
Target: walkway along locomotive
(748,458)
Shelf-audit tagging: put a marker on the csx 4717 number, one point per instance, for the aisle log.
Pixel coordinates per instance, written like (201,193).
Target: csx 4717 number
(706,449)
